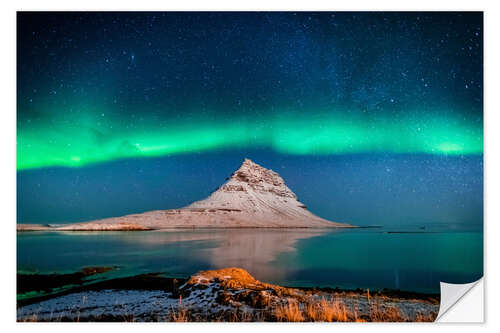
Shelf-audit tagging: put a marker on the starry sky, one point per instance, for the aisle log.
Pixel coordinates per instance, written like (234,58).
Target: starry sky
(121,113)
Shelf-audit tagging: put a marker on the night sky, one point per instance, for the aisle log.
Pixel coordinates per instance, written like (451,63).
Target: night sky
(371,118)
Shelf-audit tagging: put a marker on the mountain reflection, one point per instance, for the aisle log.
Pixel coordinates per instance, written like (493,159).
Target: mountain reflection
(252,249)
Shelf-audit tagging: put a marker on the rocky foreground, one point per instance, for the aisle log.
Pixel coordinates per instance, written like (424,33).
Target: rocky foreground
(230,294)
(253,197)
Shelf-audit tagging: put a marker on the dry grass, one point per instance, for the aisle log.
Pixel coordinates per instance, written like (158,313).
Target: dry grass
(322,311)
(429,317)
(179,316)
(336,311)
(289,313)
(386,313)
(329,311)
(292,310)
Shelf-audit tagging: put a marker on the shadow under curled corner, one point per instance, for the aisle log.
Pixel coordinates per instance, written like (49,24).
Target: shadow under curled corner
(461,303)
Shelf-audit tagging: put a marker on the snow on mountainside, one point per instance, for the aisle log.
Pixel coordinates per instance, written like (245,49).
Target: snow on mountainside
(253,197)
(260,192)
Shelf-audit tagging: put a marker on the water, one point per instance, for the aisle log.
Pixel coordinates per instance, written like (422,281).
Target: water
(358,258)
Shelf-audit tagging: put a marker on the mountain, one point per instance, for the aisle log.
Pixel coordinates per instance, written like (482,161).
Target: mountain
(253,197)
(261,197)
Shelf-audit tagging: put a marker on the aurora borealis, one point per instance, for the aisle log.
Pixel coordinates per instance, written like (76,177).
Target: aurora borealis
(99,91)
(290,134)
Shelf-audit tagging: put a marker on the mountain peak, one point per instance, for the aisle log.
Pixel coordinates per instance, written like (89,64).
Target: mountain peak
(249,164)
(251,175)
(248,161)
(251,172)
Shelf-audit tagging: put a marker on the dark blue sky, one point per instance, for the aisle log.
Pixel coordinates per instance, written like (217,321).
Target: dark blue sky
(371,118)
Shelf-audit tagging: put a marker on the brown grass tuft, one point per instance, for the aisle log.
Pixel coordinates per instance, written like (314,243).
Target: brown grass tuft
(180,315)
(336,311)
(328,311)
(289,313)
(429,317)
(386,314)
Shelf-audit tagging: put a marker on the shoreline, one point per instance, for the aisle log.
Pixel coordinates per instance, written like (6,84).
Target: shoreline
(206,296)
(41,227)
(158,281)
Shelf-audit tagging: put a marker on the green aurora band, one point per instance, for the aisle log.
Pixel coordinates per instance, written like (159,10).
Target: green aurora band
(93,137)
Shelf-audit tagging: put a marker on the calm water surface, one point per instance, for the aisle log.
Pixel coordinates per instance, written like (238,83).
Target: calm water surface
(358,258)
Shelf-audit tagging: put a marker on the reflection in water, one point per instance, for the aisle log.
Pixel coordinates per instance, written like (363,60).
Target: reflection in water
(364,258)
(251,249)
(396,279)
(255,251)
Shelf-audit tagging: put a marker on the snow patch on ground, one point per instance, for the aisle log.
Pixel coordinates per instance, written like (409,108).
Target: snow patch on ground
(118,303)
(212,295)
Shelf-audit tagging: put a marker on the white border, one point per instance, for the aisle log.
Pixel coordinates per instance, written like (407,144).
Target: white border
(8,126)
